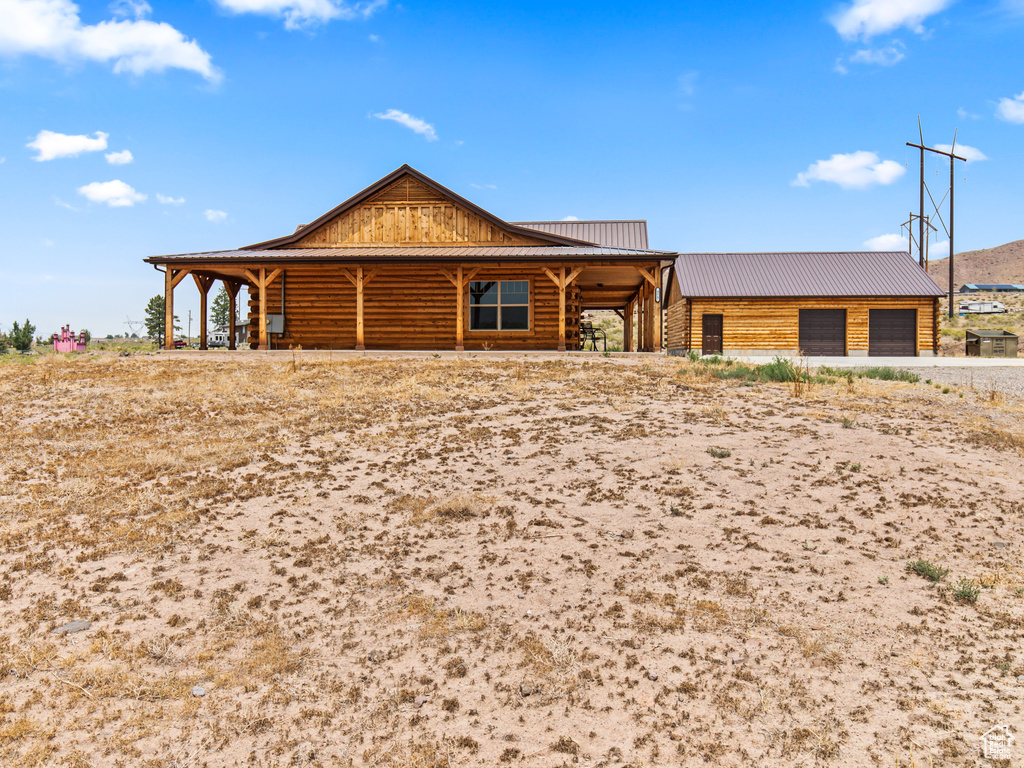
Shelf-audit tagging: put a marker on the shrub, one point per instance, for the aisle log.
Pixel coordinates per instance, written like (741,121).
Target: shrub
(780,369)
(931,572)
(720,453)
(966,591)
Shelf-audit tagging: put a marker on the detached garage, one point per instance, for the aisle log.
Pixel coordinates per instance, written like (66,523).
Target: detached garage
(857,304)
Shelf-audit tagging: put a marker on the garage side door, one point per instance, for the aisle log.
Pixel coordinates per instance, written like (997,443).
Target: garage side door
(823,331)
(892,332)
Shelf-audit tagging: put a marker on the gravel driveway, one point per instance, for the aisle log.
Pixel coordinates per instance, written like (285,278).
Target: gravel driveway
(1008,381)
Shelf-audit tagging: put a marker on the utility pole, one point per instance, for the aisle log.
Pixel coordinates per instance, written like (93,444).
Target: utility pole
(190,327)
(952,158)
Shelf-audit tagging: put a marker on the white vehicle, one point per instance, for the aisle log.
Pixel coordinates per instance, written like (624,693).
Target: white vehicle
(981,307)
(218,339)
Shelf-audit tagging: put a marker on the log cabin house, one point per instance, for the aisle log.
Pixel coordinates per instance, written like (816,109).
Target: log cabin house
(854,304)
(409,264)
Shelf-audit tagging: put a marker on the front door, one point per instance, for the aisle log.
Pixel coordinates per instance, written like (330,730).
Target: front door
(712,335)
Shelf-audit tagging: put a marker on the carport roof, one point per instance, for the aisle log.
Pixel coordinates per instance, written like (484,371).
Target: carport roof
(776,275)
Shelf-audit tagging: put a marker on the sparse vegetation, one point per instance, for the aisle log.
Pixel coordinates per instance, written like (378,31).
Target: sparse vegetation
(927,570)
(424,561)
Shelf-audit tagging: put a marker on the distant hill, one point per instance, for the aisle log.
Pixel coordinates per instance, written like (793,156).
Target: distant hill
(1002,264)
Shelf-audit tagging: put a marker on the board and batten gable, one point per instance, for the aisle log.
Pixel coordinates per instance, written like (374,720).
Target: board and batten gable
(410,213)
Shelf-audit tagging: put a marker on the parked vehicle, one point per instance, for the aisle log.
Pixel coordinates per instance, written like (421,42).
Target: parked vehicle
(217,339)
(981,307)
(180,344)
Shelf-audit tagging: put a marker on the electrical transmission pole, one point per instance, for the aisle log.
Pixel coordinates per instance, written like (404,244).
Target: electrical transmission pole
(952,158)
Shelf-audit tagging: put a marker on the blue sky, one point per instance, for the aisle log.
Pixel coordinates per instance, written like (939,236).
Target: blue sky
(132,129)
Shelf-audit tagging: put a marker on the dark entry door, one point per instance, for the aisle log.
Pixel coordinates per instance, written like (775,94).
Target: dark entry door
(823,331)
(892,332)
(712,335)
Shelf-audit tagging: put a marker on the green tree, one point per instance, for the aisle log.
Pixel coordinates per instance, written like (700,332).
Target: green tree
(20,337)
(155,311)
(221,310)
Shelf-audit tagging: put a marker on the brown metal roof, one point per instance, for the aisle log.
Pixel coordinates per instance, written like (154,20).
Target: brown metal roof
(614,234)
(370,191)
(412,254)
(870,273)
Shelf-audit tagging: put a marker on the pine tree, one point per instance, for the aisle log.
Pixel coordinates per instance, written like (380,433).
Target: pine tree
(221,310)
(155,311)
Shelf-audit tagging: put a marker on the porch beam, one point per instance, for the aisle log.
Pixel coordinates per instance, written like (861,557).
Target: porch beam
(232,288)
(203,283)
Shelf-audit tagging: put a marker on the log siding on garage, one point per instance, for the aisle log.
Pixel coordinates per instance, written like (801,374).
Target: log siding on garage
(773,325)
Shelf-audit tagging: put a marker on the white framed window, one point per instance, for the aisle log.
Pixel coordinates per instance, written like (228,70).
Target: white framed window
(499,305)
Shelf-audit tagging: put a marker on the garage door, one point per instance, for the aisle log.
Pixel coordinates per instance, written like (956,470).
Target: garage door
(823,331)
(892,332)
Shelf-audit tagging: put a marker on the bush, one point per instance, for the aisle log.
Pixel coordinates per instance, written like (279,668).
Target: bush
(881,372)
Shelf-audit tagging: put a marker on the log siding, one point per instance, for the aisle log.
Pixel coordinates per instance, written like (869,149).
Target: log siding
(752,325)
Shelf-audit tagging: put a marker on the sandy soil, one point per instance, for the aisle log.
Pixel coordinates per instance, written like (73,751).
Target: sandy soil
(459,562)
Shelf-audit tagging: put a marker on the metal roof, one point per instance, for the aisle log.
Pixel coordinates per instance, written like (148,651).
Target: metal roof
(735,275)
(412,254)
(994,286)
(614,234)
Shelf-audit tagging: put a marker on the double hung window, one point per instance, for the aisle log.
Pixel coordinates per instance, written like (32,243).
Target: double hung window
(499,305)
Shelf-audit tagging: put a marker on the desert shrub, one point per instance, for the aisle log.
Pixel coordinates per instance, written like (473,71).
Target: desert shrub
(926,569)
(720,453)
(780,369)
(966,591)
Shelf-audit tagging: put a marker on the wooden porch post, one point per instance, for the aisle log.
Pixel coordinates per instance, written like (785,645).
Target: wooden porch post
(461,280)
(171,279)
(657,298)
(460,311)
(641,338)
(232,288)
(360,280)
(627,322)
(561,309)
(262,281)
(561,281)
(203,284)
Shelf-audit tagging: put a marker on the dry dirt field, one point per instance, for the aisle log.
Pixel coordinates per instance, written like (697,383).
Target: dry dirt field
(444,562)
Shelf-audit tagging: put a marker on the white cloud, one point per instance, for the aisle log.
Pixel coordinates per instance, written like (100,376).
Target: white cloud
(1011,110)
(970,154)
(864,19)
(963,114)
(857,170)
(305,13)
(571,218)
(52,29)
(57,201)
(484,186)
(374,38)
(119,158)
(414,124)
(840,67)
(883,57)
(165,200)
(115,193)
(51,146)
(214,215)
(886,243)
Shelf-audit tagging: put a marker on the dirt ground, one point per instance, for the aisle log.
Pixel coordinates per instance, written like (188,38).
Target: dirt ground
(444,562)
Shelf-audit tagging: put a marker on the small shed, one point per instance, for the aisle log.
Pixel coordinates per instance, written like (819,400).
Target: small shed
(991,342)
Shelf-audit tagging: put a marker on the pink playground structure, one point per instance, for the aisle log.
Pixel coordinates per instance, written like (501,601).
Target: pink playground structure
(65,341)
